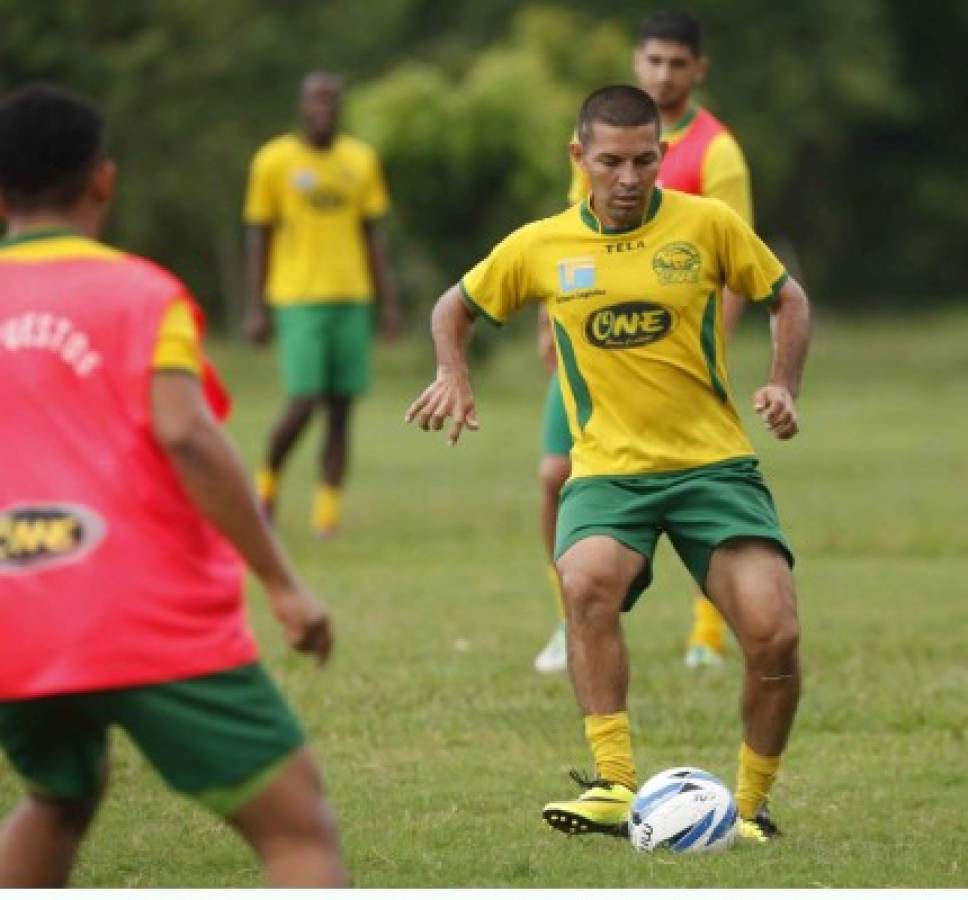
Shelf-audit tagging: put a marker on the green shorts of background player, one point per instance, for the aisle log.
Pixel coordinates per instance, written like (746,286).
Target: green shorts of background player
(704,646)
(325,360)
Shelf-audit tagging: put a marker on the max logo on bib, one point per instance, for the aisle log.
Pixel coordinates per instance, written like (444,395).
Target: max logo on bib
(629,324)
(576,274)
(43,535)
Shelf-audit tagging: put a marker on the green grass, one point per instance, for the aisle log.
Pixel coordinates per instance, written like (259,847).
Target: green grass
(439,743)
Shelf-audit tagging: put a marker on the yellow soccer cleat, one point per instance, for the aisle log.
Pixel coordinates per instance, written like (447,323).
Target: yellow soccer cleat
(602,808)
(761,829)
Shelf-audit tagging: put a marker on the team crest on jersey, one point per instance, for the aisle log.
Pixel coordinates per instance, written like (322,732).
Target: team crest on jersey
(44,535)
(677,263)
(629,324)
(576,274)
(304,179)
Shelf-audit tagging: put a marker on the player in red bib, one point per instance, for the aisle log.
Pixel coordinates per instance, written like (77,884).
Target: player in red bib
(702,158)
(125,518)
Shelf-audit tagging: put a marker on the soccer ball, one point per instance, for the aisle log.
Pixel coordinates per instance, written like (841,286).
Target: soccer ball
(685,810)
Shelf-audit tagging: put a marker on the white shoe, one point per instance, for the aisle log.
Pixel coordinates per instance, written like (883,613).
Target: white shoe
(554,656)
(700,656)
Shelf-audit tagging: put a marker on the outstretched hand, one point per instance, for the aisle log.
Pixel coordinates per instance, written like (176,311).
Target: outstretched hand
(449,396)
(304,619)
(778,410)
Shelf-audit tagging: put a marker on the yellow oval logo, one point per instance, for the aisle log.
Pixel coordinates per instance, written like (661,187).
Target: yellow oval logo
(677,263)
(629,324)
(42,535)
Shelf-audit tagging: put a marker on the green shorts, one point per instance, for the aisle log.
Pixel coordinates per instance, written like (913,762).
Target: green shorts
(219,738)
(325,348)
(698,508)
(557,434)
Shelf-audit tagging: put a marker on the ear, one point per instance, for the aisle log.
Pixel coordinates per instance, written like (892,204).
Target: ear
(702,70)
(103,179)
(663,149)
(577,152)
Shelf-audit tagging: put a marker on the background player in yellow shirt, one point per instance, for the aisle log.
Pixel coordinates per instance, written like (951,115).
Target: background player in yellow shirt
(703,158)
(633,280)
(316,256)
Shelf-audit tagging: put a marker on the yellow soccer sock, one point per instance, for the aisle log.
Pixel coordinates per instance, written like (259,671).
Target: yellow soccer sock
(556,589)
(611,742)
(266,484)
(754,780)
(708,627)
(327,507)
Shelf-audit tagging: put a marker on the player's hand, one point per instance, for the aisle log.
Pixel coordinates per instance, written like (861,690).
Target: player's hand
(258,326)
(391,322)
(449,396)
(776,407)
(304,619)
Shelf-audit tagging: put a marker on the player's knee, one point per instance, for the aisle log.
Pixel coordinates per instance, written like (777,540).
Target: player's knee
(589,595)
(553,472)
(773,649)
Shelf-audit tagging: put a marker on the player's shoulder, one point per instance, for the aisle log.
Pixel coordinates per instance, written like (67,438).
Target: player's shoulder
(145,279)
(355,148)
(280,147)
(690,204)
(539,231)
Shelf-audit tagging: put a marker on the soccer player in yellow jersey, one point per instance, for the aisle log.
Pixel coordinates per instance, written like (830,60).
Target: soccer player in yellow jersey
(633,278)
(703,158)
(316,255)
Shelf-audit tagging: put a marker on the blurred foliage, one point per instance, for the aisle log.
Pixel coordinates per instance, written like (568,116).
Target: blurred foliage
(853,116)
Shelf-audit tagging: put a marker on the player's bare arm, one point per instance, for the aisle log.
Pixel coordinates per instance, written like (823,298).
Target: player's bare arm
(391,318)
(449,396)
(790,328)
(214,478)
(258,323)
(546,341)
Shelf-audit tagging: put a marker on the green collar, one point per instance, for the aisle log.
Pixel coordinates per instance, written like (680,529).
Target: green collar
(592,221)
(41,234)
(684,121)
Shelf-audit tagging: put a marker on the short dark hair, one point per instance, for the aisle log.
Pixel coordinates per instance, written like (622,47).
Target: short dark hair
(50,139)
(672,25)
(617,104)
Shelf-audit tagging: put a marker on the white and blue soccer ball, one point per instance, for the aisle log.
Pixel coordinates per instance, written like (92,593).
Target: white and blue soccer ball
(685,810)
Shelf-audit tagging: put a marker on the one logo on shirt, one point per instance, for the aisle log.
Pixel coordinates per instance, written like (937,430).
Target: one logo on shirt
(677,263)
(630,324)
(323,199)
(576,274)
(43,535)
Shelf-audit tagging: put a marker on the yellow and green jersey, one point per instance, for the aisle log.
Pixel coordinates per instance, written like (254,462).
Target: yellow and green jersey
(702,158)
(637,319)
(316,202)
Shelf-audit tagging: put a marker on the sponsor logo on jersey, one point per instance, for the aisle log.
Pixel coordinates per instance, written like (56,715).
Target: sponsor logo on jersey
(677,263)
(576,274)
(630,324)
(44,535)
(624,246)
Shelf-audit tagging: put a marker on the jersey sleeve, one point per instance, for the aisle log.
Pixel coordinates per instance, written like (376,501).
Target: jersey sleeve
(374,200)
(178,345)
(749,266)
(261,195)
(726,177)
(497,286)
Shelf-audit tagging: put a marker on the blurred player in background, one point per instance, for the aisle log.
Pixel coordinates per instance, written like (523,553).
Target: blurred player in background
(633,278)
(316,256)
(121,501)
(702,158)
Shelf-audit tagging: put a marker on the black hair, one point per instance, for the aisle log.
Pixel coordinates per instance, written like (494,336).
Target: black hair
(50,139)
(617,104)
(672,25)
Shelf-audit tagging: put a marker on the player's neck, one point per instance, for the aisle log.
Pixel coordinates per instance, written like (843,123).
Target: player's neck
(319,141)
(673,115)
(22,223)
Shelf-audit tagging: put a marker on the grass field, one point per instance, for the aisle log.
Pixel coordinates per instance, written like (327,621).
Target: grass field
(439,743)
